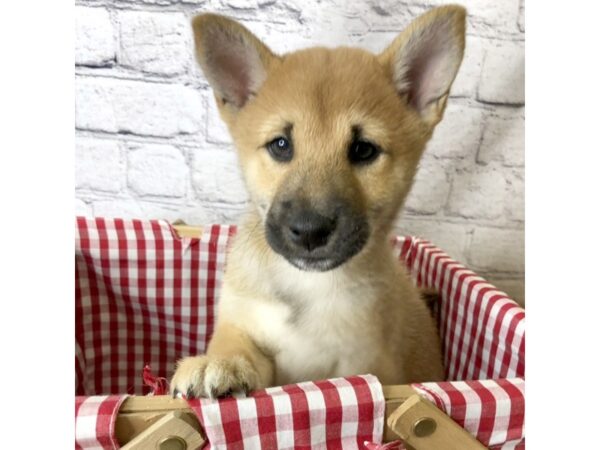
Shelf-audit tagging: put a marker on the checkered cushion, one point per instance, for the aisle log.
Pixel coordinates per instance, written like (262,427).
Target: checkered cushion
(144,296)
(336,413)
(95,418)
(491,410)
(482,329)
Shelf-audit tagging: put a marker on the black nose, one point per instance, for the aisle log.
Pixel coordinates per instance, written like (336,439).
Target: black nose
(309,230)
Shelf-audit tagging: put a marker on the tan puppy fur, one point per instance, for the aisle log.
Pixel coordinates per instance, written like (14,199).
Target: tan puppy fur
(284,318)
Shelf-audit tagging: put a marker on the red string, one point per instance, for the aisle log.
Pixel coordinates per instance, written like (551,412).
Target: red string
(158,385)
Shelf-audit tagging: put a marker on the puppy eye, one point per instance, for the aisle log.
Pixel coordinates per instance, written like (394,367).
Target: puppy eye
(362,152)
(280,149)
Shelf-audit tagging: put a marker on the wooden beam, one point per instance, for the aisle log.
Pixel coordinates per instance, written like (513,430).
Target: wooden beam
(422,426)
(172,431)
(188,231)
(138,413)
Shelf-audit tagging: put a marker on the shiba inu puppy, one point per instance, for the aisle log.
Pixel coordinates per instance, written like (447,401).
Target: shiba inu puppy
(329,141)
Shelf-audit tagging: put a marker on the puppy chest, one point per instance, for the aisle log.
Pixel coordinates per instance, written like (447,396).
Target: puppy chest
(317,343)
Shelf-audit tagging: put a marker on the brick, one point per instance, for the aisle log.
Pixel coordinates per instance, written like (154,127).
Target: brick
(389,15)
(153,210)
(162,2)
(521,20)
(151,109)
(120,208)
(241,4)
(209,213)
(376,41)
(153,45)
(192,215)
(477,194)
(484,16)
(156,169)
(98,165)
(95,43)
(130,208)
(458,134)
(467,79)
(430,189)
(201,214)
(497,249)
(503,140)
(157,42)
(216,176)
(290,42)
(82,208)
(94,109)
(514,288)
(491,16)
(450,237)
(503,74)
(515,200)
(216,131)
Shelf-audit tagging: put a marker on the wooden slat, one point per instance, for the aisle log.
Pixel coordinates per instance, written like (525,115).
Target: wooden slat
(445,433)
(138,413)
(188,231)
(394,395)
(174,425)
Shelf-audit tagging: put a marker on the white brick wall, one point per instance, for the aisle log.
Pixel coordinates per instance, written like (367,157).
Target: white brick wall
(150,142)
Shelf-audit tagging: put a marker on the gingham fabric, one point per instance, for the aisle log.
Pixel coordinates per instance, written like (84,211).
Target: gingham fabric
(482,329)
(491,410)
(143,296)
(147,297)
(340,413)
(95,418)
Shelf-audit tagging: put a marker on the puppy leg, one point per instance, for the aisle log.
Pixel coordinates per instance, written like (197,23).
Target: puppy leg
(232,363)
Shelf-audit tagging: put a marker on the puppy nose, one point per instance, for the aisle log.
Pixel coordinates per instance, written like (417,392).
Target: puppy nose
(310,230)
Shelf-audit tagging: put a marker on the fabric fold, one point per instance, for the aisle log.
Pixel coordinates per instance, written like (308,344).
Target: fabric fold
(335,413)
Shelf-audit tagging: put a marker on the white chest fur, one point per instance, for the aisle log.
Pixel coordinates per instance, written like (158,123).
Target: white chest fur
(315,325)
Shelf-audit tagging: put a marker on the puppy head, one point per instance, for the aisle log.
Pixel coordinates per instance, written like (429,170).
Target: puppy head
(329,139)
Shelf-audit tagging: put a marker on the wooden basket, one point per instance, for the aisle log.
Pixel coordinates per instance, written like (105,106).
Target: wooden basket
(148,422)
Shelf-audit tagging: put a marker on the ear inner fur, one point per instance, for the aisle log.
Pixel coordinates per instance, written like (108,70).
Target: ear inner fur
(234,61)
(424,59)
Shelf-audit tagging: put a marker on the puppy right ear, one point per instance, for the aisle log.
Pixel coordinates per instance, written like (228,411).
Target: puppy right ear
(234,61)
(425,58)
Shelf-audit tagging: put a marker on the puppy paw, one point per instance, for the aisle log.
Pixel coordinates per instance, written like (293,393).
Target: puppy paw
(204,376)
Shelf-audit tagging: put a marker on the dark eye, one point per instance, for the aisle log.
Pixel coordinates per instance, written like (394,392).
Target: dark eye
(362,152)
(280,149)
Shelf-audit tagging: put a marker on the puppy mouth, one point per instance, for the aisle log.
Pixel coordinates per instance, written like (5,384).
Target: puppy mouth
(314,264)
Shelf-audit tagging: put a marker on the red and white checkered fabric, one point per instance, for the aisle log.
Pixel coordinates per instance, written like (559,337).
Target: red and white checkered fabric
(482,329)
(95,418)
(339,413)
(491,410)
(144,296)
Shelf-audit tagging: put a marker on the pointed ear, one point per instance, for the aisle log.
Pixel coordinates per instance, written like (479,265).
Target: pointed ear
(425,58)
(233,60)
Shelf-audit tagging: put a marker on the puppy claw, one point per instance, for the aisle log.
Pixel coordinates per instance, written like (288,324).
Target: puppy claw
(190,393)
(214,393)
(204,376)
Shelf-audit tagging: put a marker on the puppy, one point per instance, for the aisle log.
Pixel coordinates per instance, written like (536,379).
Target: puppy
(329,141)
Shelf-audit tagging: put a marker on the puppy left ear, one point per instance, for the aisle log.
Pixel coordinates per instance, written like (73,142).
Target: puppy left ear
(425,58)
(234,61)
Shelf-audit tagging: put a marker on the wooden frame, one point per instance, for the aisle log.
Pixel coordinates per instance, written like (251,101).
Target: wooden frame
(165,423)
